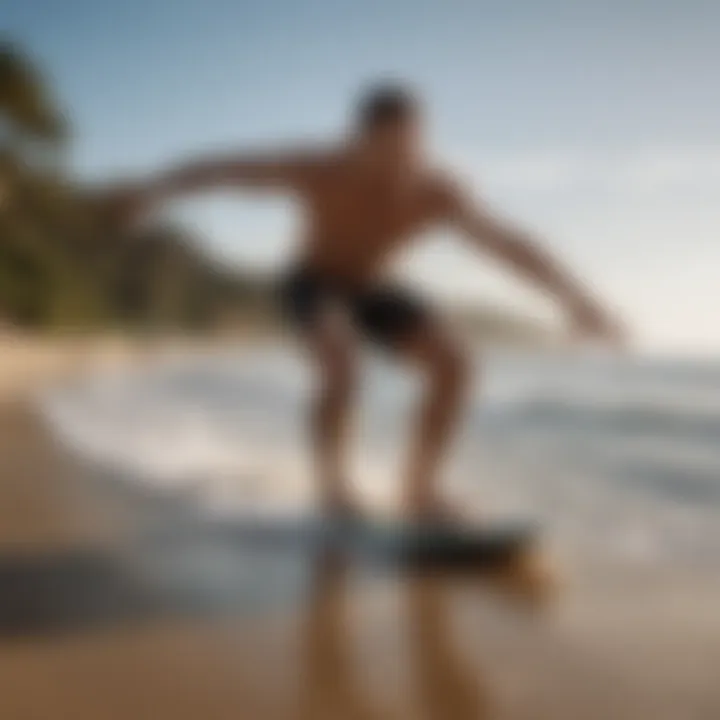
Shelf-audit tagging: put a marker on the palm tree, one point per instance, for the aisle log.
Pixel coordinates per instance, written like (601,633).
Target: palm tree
(32,135)
(32,127)
(26,105)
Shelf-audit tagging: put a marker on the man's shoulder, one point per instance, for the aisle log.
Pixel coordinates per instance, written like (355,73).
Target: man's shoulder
(443,188)
(321,164)
(320,156)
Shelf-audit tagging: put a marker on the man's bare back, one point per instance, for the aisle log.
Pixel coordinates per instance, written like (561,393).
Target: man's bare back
(361,203)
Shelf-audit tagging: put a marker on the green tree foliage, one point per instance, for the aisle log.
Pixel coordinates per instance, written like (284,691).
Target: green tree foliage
(63,262)
(26,103)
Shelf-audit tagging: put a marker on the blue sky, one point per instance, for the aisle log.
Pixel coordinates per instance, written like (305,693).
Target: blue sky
(594,124)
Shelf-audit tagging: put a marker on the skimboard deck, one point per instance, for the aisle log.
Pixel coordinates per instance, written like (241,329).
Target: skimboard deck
(446,545)
(389,541)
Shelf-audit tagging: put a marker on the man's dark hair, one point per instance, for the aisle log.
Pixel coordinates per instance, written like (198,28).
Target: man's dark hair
(386,104)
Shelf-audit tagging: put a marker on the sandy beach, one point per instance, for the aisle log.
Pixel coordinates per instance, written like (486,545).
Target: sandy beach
(116,603)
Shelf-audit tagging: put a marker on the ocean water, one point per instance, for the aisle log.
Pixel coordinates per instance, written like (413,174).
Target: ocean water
(619,459)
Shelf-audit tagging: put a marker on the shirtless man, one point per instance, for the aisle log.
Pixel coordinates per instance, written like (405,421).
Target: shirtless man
(363,200)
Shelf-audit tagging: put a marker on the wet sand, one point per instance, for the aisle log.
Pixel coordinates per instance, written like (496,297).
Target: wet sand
(117,603)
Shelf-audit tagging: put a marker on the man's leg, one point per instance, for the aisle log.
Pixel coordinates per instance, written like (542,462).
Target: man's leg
(404,324)
(327,336)
(447,371)
(333,351)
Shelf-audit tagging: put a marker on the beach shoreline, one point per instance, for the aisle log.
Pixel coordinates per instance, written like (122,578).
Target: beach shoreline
(614,646)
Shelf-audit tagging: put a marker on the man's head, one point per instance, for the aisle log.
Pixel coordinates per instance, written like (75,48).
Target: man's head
(388,121)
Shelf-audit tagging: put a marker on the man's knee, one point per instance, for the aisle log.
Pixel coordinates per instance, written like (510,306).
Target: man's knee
(334,355)
(338,374)
(452,367)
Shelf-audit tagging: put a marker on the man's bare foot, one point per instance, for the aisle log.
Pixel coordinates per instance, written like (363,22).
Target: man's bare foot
(432,511)
(340,506)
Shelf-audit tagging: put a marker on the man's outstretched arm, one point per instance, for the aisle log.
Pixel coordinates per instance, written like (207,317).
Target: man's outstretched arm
(527,258)
(289,171)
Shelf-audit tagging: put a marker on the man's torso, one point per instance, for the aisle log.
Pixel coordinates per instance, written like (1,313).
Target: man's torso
(357,218)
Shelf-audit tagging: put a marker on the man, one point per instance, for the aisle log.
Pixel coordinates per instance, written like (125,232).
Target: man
(362,201)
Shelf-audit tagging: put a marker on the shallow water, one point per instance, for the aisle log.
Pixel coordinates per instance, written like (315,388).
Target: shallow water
(619,459)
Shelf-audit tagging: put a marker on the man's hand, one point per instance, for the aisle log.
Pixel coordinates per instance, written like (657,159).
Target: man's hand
(589,322)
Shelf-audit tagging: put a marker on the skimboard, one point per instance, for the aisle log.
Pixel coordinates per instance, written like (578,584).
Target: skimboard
(394,540)
(463,544)
(506,550)
(445,545)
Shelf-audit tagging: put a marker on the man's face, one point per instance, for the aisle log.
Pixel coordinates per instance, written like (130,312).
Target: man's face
(398,141)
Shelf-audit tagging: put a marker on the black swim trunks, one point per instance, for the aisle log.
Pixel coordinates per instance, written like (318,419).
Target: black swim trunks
(385,314)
